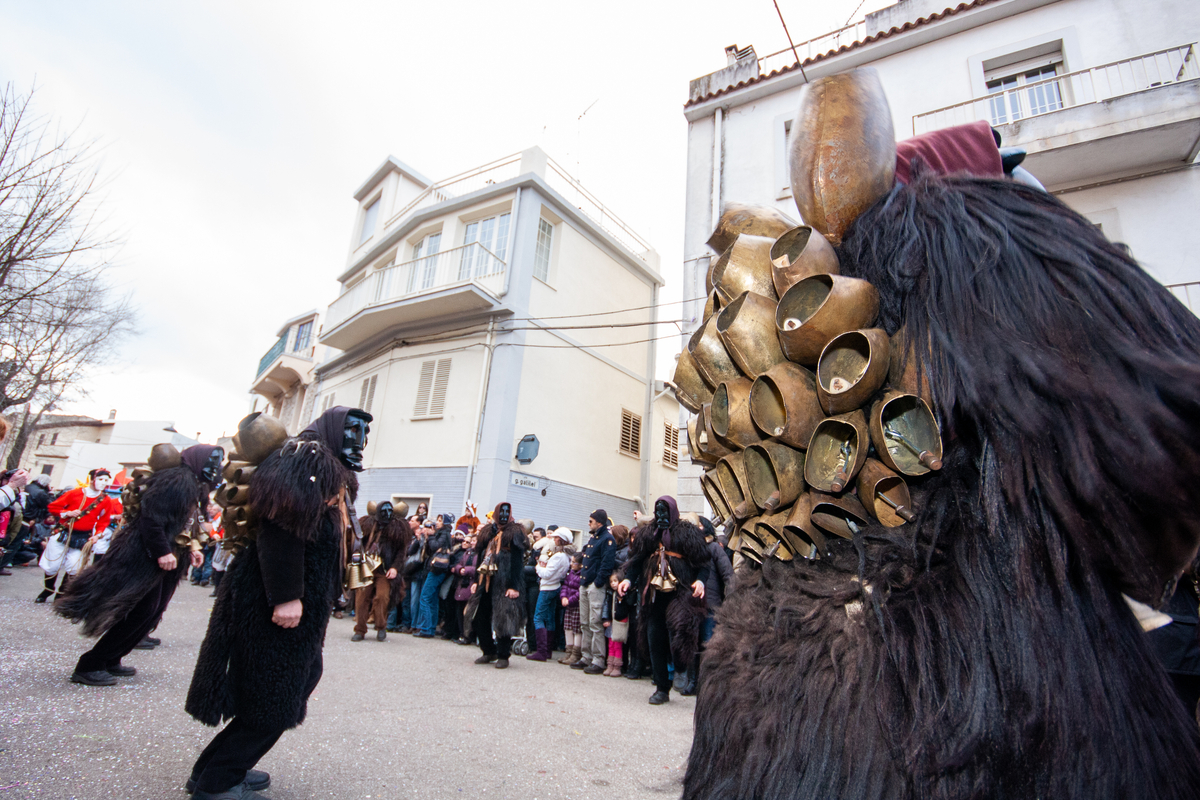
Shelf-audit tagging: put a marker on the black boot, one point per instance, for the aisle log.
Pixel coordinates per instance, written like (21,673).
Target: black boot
(49,590)
(693,677)
(634,672)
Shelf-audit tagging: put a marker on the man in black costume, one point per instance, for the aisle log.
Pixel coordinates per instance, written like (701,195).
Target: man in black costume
(386,537)
(124,596)
(668,565)
(497,603)
(261,656)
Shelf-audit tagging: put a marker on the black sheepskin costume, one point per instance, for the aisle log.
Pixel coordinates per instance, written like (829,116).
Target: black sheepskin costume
(508,614)
(248,666)
(685,614)
(984,650)
(389,540)
(104,593)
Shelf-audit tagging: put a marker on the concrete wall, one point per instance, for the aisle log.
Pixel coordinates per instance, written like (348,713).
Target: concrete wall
(443,486)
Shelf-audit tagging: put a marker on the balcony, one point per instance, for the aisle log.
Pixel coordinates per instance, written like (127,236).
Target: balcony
(1119,117)
(454,282)
(279,370)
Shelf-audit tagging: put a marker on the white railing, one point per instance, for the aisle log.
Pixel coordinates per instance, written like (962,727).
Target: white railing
(574,193)
(1086,86)
(811,48)
(464,183)
(1183,293)
(460,265)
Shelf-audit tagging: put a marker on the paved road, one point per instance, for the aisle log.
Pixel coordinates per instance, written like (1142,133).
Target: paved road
(406,718)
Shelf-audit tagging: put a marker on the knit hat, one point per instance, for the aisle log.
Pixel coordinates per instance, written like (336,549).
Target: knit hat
(601,516)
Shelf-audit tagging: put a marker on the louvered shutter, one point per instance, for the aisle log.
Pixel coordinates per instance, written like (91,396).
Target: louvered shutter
(424,385)
(437,401)
(631,433)
(367,394)
(671,445)
(371,394)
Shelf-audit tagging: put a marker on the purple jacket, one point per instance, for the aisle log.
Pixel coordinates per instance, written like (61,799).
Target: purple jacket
(570,587)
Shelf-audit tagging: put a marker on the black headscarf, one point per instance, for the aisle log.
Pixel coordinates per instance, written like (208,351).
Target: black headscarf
(330,428)
(196,458)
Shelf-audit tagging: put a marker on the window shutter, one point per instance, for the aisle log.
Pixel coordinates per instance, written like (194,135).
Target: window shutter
(424,385)
(671,445)
(631,433)
(367,394)
(371,394)
(437,402)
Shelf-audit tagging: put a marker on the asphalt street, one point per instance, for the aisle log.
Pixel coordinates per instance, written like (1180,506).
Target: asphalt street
(405,718)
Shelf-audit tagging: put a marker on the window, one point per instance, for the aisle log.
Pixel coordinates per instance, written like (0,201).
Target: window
(327,403)
(631,434)
(425,260)
(303,334)
(367,395)
(47,469)
(370,216)
(54,439)
(431,389)
(541,254)
(491,233)
(671,445)
(41,440)
(1006,82)
(783,172)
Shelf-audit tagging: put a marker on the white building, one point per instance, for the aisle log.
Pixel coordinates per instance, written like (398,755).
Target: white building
(1104,96)
(474,323)
(287,370)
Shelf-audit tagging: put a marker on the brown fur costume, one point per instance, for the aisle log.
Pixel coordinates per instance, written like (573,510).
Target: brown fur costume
(508,614)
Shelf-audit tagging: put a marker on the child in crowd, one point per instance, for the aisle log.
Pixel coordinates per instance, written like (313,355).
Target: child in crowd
(616,616)
(570,601)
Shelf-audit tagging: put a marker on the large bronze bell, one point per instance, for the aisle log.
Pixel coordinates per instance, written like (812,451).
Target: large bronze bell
(164,456)
(690,389)
(233,515)
(372,507)
(842,150)
(716,501)
(906,434)
(769,532)
(730,475)
(799,530)
(730,414)
(818,308)
(841,515)
(693,441)
(774,475)
(903,374)
(748,544)
(708,351)
(400,509)
(784,404)
(837,451)
(884,494)
(258,436)
(801,253)
(713,304)
(852,367)
(236,495)
(738,218)
(744,267)
(708,443)
(747,327)
(231,470)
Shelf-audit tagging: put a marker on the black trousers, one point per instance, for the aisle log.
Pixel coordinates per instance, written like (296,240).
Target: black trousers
(238,747)
(499,646)
(10,549)
(452,627)
(531,598)
(120,639)
(659,639)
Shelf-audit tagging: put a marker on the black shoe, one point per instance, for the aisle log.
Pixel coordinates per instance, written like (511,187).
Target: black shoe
(357,637)
(97,678)
(154,640)
(145,644)
(404,629)
(41,598)
(256,780)
(593,669)
(660,697)
(581,664)
(204,584)
(485,659)
(681,681)
(120,670)
(5,572)
(380,636)
(634,673)
(214,593)
(240,792)
(502,663)
(423,635)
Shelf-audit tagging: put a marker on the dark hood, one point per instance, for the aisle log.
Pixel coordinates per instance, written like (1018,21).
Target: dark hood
(329,428)
(196,458)
(672,505)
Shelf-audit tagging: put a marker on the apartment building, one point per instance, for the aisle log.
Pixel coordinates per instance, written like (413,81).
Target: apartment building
(287,370)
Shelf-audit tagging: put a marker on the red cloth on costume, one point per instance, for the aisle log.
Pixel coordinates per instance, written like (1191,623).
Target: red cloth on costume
(963,148)
(97,517)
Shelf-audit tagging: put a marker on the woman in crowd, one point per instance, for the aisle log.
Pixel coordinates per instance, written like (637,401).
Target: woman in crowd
(433,539)
(552,566)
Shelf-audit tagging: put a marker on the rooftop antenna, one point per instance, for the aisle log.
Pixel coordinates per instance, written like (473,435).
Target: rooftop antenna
(790,42)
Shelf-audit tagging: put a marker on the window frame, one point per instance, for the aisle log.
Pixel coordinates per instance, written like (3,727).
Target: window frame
(433,385)
(540,249)
(670,444)
(303,329)
(370,215)
(635,433)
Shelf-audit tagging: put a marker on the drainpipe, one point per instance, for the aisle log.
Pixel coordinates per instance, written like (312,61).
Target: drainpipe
(649,413)
(484,380)
(718,118)
(512,232)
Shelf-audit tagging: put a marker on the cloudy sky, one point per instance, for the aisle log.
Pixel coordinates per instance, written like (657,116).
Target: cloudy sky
(233,134)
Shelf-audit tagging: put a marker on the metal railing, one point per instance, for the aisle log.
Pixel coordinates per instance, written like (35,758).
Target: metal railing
(275,352)
(1094,85)
(459,265)
(1183,292)
(506,168)
(811,48)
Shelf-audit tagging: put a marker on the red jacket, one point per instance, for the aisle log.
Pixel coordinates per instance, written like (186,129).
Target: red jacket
(97,517)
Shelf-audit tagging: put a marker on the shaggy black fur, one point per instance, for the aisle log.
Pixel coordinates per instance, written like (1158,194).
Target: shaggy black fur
(685,614)
(103,594)
(301,461)
(508,614)
(390,540)
(984,651)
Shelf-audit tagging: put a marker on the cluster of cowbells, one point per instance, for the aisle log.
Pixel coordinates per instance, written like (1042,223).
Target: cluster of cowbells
(808,419)
(258,436)
(162,456)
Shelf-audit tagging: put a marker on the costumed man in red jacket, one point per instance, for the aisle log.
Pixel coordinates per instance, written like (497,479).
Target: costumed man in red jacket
(124,596)
(84,512)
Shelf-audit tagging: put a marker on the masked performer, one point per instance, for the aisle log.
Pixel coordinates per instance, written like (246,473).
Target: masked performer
(124,596)
(261,657)
(386,537)
(84,513)
(497,605)
(668,565)
(987,648)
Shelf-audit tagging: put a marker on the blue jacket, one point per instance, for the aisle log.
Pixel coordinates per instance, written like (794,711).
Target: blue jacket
(599,558)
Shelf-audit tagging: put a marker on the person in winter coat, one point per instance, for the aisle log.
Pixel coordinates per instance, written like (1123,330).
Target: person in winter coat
(497,605)
(462,570)
(430,541)
(552,567)
(37,498)
(386,536)
(261,657)
(672,610)
(599,561)
(569,598)
(85,512)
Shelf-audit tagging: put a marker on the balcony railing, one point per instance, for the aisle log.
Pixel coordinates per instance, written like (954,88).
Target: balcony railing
(1086,86)
(509,167)
(275,352)
(1183,292)
(459,265)
(810,48)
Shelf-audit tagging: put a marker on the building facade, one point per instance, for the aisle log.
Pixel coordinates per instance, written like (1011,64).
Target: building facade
(499,327)
(1103,95)
(287,370)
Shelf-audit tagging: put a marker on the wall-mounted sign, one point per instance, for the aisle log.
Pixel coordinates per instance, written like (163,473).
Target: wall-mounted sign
(524,481)
(527,449)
